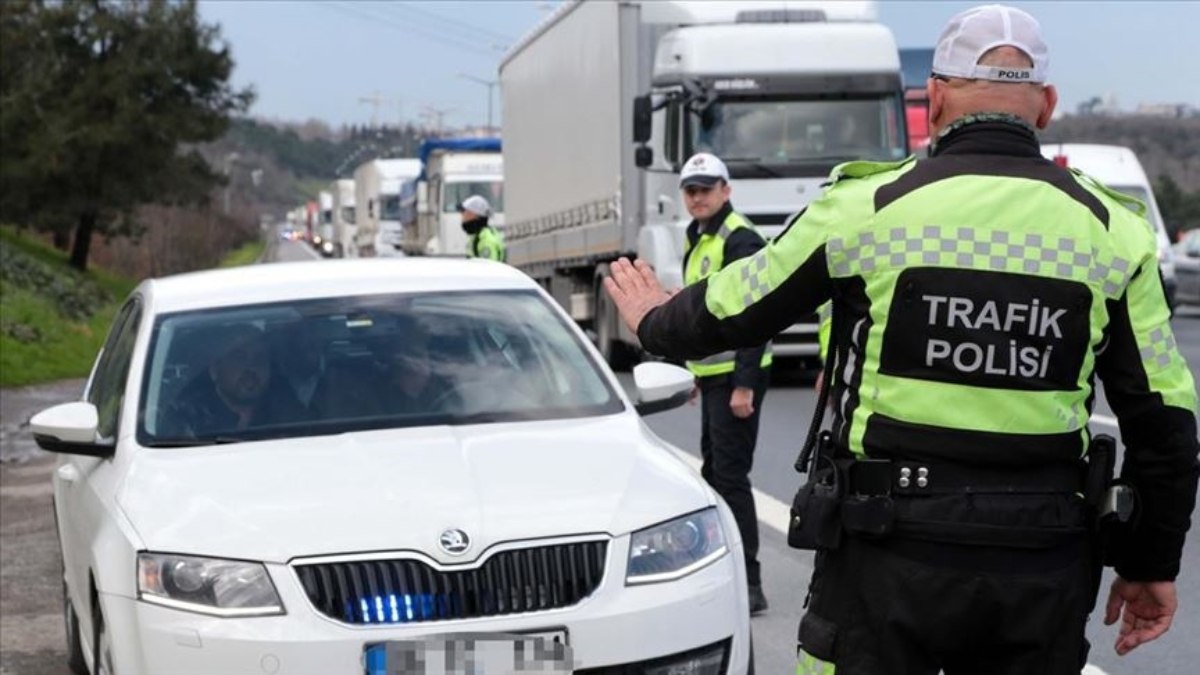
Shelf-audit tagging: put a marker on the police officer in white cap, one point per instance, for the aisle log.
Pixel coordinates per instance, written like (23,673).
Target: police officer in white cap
(731,384)
(484,241)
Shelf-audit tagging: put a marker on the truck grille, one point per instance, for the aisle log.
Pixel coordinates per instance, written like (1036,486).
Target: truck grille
(410,591)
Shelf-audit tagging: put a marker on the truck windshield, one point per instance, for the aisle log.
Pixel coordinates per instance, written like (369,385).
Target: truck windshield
(758,131)
(390,209)
(491,190)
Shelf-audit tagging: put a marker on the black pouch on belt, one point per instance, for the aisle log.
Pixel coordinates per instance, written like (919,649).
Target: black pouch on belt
(868,509)
(816,523)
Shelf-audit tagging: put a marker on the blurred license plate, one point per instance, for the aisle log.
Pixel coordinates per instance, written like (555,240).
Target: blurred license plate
(545,652)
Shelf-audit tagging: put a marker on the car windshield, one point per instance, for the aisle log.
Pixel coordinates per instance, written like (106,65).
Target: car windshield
(789,131)
(454,193)
(315,367)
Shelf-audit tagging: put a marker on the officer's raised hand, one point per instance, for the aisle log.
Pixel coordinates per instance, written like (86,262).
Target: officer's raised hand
(635,290)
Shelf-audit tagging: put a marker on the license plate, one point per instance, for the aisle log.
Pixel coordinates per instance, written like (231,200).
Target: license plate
(544,652)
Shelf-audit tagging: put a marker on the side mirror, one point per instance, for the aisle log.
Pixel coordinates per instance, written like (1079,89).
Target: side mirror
(661,387)
(69,428)
(643,156)
(642,109)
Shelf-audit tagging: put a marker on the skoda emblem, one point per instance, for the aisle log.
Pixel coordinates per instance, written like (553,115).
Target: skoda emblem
(454,542)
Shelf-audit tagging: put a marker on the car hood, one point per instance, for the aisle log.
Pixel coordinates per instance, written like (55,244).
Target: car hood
(399,489)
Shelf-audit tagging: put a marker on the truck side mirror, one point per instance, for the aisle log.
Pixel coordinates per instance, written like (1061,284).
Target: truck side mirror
(643,156)
(641,119)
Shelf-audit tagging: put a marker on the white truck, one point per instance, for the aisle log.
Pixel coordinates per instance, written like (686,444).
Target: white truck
(452,170)
(343,216)
(1118,168)
(323,237)
(377,193)
(604,101)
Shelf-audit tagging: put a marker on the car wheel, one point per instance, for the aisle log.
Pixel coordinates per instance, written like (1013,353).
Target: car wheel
(101,643)
(75,660)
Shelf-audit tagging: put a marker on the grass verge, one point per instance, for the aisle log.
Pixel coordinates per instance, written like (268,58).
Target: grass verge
(38,342)
(247,254)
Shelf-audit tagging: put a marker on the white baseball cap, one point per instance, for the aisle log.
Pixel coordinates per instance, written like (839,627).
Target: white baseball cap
(972,33)
(476,204)
(703,169)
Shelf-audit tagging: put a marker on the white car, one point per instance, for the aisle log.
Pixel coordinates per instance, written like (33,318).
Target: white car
(333,467)
(1187,268)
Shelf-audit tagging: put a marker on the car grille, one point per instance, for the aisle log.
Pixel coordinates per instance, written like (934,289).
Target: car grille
(410,591)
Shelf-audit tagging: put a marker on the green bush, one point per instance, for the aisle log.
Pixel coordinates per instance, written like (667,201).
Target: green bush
(73,294)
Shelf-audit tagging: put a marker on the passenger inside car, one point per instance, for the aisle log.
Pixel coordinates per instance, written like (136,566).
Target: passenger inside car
(235,389)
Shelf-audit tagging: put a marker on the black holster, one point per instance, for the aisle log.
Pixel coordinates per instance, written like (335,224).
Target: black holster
(816,519)
(1112,501)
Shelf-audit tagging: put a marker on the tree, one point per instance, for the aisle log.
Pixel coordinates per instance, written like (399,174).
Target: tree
(101,105)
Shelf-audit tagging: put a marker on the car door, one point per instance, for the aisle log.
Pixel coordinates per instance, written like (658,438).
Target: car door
(82,484)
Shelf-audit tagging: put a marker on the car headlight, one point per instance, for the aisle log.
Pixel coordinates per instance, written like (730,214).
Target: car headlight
(207,585)
(676,548)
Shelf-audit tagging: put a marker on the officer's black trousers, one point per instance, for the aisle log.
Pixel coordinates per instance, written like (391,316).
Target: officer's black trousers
(893,607)
(727,447)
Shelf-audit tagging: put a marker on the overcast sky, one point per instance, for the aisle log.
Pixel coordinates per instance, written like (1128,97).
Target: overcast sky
(320,58)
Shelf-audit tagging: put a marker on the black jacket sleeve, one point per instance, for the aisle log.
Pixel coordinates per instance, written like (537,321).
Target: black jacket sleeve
(1161,448)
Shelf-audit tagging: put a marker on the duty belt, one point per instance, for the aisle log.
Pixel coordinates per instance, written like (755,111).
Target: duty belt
(908,478)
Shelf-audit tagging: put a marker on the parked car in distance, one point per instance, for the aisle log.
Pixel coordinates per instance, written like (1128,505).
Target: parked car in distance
(1187,268)
(323,466)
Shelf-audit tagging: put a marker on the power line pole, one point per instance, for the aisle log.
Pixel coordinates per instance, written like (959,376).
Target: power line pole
(376,101)
(490,84)
(432,113)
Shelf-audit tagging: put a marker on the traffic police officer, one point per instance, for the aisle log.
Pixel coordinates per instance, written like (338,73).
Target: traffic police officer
(732,384)
(976,295)
(484,241)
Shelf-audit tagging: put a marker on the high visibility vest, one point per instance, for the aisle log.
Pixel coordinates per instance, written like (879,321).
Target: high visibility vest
(705,258)
(487,243)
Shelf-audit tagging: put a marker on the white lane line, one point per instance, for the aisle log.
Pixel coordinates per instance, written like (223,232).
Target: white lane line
(1105,420)
(1089,669)
(771,512)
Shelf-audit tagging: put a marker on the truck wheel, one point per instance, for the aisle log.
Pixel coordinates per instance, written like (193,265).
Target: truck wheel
(620,356)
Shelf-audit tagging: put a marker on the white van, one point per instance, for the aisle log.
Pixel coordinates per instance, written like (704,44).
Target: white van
(1118,167)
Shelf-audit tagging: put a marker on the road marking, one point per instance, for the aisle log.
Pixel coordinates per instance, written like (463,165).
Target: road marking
(771,512)
(1089,669)
(1105,420)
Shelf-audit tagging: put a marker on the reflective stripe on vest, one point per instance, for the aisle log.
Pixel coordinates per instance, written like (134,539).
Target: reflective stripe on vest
(704,259)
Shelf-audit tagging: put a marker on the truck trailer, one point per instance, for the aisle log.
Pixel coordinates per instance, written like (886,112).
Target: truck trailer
(604,101)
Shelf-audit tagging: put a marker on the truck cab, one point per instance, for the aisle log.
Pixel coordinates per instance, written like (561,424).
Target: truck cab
(821,86)
(452,169)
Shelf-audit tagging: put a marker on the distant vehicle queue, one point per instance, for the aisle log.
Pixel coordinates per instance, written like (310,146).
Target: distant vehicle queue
(566,204)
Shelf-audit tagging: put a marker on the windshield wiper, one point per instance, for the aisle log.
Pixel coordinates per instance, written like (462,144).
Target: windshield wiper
(192,442)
